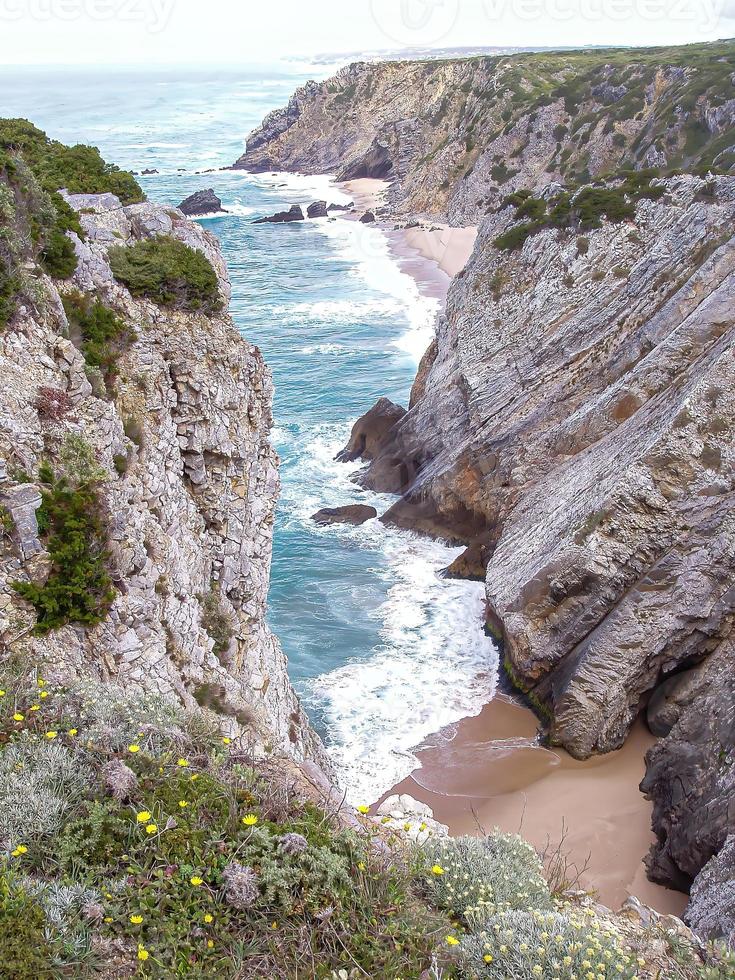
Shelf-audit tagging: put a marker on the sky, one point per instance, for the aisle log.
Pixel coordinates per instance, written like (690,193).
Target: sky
(242,32)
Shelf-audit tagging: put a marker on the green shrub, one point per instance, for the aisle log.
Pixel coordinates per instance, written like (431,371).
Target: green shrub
(168,272)
(103,335)
(78,588)
(27,953)
(514,237)
(525,945)
(57,255)
(79,169)
(478,876)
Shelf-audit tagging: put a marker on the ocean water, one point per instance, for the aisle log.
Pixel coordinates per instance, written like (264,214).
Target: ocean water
(382,651)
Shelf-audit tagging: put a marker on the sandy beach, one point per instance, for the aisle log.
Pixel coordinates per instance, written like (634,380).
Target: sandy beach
(488,771)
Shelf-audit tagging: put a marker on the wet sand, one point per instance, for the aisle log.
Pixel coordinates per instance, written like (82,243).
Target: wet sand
(487,772)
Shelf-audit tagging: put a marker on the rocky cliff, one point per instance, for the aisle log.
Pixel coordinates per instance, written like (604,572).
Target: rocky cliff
(454,136)
(185,482)
(572,421)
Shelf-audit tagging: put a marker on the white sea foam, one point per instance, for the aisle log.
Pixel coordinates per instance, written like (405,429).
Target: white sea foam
(433,664)
(367,247)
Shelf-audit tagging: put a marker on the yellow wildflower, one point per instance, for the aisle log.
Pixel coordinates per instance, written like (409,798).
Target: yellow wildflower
(208,918)
(2,693)
(143,953)
(182,763)
(151,828)
(72,732)
(437,870)
(488,958)
(20,849)
(250,820)
(41,682)
(361,866)
(51,734)
(226,740)
(143,817)
(407,827)
(210,944)
(17,716)
(35,707)
(183,803)
(136,919)
(196,881)
(44,694)
(453,941)
(134,748)
(108,918)
(363,809)
(194,776)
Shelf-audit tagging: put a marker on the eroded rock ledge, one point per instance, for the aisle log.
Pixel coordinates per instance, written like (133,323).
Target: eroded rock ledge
(190,485)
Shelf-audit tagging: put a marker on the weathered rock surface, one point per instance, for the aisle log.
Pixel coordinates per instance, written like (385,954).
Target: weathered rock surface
(370,431)
(455,136)
(690,776)
(193,510)
(711,910)
(368,218)
(202,202)
(294,213)
(349,514)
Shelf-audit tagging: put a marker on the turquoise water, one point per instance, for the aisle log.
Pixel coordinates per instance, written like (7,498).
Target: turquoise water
(381,650)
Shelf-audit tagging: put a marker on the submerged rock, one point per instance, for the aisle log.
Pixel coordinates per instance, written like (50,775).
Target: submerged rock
(294,213)
(201,202)
(350,514)
(367,218)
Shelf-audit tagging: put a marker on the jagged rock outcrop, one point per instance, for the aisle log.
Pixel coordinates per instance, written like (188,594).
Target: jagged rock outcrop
(349,514)
(190,486)
(694,812)
(455,136)
(317,209)
(294,213)
(202,202)
(711,910)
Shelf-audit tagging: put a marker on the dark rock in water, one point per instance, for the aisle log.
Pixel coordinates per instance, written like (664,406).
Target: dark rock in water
(148,171)
(370,431)
(341,207)
(367,218)
(351,514)
(201,202)
(690,777)
(293,214)
(317,210)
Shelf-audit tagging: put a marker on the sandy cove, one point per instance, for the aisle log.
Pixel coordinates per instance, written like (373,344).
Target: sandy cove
(488,771)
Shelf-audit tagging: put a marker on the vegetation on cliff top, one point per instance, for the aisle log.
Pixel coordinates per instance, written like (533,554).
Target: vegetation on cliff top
(139,841)
(34,218)
(168,272)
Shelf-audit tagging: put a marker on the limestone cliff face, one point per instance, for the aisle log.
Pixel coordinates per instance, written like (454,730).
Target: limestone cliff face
(572,421)
(455,136)
(190,488)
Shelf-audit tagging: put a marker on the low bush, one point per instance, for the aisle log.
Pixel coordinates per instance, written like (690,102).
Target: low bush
(78,588)
(102,335)
(168,272)
(180,859)
(478,876)
(217,622)
(528,944)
